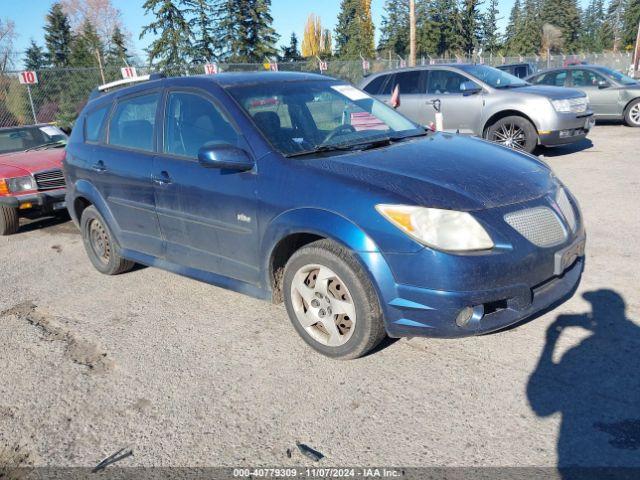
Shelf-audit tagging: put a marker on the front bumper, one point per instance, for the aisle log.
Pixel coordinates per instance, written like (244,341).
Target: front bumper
(423,293)
(568,130)
(48,200)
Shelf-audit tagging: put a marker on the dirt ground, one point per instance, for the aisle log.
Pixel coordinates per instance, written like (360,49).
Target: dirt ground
(187,374)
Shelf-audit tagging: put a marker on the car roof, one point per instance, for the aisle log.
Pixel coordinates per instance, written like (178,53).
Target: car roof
(224,80)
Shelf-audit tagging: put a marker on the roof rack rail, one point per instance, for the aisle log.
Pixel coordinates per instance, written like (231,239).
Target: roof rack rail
(108,86)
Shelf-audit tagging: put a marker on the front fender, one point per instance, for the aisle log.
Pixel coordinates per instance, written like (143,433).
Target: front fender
(335,227)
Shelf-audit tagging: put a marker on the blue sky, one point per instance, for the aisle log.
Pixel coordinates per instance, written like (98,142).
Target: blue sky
(289,16)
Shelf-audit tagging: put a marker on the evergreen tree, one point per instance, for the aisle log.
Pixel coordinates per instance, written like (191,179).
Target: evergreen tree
(490,32)
(118,53)
(202,12)
(86,47)
(613,25)
(444,26)
(34,57)
(592,21)
(173,45)
(471,27)
(530,35)
(565,15)
(244,31)
(355,31)
(394,29)
(291,53)
(630,23)
(514,27)
(57,37)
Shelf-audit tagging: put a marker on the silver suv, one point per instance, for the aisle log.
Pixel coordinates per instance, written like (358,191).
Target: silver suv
(486,102)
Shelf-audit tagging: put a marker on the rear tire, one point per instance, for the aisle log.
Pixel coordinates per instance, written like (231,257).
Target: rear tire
(9,220)
(514,132)
(331,302)
(632,114)
(100,245)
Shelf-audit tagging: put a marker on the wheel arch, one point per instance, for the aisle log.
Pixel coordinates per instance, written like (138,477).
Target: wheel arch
(84,195)
(503,114)
(294,229)
(628,105)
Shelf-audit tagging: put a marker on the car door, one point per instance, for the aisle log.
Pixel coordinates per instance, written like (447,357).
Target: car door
(411,86)
(207,216)
(460,111)
(603,96)
(121,171)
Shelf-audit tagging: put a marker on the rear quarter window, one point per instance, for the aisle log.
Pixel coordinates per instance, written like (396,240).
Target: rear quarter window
(93,124)
(374,87)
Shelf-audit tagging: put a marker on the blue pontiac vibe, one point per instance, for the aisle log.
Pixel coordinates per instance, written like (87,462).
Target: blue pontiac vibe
(302,189)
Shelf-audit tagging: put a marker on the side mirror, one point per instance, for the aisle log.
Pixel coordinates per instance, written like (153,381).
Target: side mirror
(225,157)
(470,88)
(602,84)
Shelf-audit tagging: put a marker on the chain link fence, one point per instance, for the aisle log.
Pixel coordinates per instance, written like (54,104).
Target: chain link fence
(60,94)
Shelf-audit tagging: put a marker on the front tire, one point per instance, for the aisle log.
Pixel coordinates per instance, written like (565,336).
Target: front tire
(331,301)
(632,114)
(514,132)
(100,245)
(9,220)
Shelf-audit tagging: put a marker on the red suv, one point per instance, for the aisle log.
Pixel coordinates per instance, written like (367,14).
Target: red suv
(31,180)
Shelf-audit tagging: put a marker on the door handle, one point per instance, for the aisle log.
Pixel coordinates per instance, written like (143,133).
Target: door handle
(162,179)
(99,167)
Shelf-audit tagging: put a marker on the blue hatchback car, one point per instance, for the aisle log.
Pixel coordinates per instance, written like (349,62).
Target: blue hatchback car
(303,189)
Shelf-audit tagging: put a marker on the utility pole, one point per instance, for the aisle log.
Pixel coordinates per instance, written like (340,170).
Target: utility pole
(636,54)
(412,33)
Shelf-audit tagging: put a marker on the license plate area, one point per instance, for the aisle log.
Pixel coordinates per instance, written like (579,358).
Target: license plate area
(567,256)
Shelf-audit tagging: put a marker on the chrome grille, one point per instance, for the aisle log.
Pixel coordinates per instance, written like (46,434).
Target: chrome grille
(567,209)
(49,180)
(540,225)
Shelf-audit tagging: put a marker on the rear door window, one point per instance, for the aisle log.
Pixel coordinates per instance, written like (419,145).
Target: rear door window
(133,121)
(93,124)
(410,82)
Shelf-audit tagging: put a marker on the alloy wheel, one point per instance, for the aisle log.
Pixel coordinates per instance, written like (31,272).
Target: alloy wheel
(323,305)
(510,135)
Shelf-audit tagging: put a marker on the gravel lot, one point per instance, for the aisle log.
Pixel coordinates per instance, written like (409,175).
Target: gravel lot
(188,374)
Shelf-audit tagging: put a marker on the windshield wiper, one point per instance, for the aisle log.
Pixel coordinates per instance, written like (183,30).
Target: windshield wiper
(366,145)
(46,146)
(517,85)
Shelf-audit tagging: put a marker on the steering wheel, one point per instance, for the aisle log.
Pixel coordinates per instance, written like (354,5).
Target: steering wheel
(339,130)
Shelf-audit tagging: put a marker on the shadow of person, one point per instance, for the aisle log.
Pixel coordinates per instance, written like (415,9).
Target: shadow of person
(595,386)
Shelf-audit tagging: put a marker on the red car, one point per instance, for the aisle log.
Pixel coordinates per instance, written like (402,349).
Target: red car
(31,180)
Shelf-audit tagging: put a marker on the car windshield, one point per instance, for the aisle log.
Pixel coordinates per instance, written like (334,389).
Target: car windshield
(311,116)
(493,77)
(617,76)
(19,139)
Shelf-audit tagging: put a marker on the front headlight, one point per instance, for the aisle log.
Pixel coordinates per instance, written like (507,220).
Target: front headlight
(441,229)
(21,184)
(570,105)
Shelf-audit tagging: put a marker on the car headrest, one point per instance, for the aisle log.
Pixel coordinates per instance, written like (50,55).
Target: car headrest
(268,121)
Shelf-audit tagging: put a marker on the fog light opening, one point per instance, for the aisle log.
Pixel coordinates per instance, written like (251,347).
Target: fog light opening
(469,316)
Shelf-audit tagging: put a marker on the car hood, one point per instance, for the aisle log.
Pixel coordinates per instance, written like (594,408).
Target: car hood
(446,171)
(554,93)
(31,162)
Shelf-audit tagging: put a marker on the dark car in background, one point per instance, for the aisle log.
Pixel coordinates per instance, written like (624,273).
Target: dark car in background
(302,188)
(520,70)
(31,181)
(612,95)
